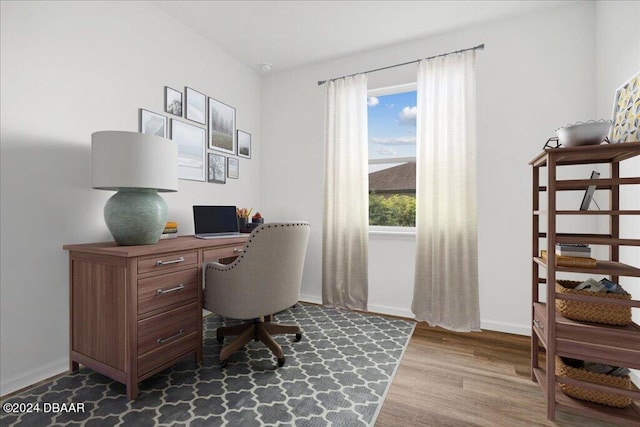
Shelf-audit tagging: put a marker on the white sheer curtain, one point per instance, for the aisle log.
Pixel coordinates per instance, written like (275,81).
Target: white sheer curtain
(346,204)
(446,281)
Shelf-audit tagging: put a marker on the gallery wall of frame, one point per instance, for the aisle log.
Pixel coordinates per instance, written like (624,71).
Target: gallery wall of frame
(209,144)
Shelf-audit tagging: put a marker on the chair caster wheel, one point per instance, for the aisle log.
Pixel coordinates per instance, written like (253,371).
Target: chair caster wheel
(220,339)
(280,362)
(298,337)
(223,363)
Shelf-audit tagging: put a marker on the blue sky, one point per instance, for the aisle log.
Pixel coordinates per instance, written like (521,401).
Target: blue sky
(392,125)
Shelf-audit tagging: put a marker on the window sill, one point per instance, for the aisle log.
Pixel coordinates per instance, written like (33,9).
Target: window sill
(393,233)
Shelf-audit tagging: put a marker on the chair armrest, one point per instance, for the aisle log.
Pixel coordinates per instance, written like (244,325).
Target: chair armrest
(212,264)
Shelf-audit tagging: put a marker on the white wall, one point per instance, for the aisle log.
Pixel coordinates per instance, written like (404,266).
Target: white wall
(536,74)
(618,53)
(70,69)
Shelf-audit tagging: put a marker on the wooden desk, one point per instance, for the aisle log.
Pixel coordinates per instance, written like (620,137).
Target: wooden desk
(136,310)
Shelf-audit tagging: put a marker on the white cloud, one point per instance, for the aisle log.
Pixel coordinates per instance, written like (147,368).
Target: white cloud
(386,151)
(408,115)
(372,101)
(399,140)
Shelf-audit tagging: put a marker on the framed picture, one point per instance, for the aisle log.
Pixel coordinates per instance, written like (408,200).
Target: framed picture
(191,150)
(244,144)
(152,123)
(222,127)
(588,194)
(196,106)
(172,101)
(233,167)
(626,112)
(217,172)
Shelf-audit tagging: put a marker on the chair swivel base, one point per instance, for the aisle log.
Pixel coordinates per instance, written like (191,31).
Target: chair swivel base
(258,331)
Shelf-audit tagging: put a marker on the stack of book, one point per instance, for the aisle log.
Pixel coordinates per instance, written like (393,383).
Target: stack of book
(170,230)
(578,258)
(573,250)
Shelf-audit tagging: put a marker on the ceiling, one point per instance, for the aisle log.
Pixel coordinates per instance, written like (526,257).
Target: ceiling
(288,34)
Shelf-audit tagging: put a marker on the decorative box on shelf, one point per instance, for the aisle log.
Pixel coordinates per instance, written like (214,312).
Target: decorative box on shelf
(570,261)
(618,401)
(591,311)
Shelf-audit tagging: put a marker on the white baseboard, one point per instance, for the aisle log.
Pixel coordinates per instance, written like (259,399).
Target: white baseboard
(313,299)
(15,383)
(509,328)
(375,309)
(392,311)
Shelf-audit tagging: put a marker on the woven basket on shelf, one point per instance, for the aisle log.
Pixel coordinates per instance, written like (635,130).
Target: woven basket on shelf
(604,398)
(589,311)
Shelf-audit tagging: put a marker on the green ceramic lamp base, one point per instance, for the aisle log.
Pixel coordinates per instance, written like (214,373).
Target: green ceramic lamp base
(136,216)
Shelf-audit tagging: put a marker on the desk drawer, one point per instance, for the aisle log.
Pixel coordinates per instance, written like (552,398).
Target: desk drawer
(170,354)
(166,328)
(167,261)
(219,253)
(171,288)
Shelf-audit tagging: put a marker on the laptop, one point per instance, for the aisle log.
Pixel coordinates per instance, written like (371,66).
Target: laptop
(215,222)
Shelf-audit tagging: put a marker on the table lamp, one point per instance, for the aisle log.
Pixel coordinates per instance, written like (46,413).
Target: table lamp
(137,166)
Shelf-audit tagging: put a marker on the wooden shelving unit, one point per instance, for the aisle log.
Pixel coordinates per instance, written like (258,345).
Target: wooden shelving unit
(551,332)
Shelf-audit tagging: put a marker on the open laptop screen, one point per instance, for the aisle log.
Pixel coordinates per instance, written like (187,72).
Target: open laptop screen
(215,219)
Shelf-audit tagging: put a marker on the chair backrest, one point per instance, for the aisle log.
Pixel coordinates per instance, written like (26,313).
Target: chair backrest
(265,279)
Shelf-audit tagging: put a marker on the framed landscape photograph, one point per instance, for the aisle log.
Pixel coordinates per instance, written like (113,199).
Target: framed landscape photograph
(222,127)
(233,167)
(191,150)
(217,169)
(152,123)
(244,144)
(196,106)
(172,101)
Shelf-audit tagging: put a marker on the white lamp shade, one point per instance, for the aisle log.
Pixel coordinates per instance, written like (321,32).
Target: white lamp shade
(133,160)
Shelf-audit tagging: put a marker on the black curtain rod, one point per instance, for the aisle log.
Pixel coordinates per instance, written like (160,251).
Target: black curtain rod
(479,47)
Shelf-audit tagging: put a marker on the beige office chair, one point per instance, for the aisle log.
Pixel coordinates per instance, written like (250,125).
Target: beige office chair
(262,281)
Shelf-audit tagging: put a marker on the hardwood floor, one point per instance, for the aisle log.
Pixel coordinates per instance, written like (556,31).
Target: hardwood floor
(468,379)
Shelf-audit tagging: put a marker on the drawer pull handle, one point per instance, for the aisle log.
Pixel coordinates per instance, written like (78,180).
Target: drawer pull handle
(173,261)
(237,251)
(173,337)
(167,291)
(537,324)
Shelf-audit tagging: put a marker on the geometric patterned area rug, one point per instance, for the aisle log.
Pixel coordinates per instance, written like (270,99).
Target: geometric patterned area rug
(338,375)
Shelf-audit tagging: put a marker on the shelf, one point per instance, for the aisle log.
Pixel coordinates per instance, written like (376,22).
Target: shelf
(592,239)
(605,153)
(574,212)
(582,184)
(601,184)
(630,415)
(599,300)
(614,345)
(607,268)
(559,336)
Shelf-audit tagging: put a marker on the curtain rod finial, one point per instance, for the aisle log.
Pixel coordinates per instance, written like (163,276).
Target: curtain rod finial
(321,82)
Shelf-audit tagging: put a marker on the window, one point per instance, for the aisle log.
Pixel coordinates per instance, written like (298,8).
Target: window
(392,156)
